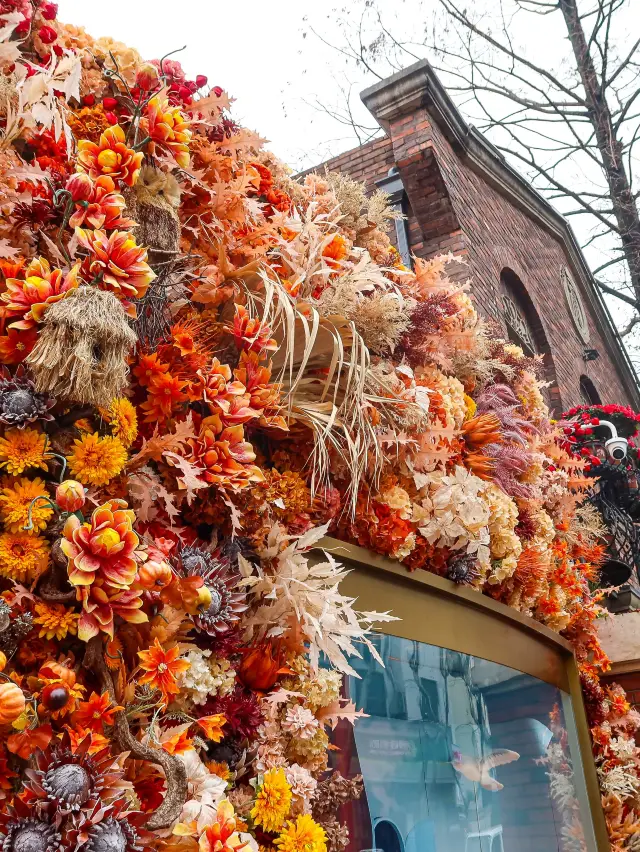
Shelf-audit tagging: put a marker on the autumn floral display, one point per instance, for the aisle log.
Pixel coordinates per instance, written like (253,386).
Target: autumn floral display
(207,366)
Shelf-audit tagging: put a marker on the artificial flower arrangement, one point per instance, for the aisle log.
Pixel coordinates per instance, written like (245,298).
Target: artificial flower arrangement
(207,366)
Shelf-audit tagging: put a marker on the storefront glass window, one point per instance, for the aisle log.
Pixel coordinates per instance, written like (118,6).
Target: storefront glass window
(459,754)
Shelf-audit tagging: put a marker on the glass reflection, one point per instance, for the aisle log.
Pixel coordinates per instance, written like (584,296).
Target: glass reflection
(459,754)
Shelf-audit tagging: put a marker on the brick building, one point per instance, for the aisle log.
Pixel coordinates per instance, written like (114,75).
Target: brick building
(460,195)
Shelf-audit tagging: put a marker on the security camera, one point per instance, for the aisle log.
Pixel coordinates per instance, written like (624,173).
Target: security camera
(617,449)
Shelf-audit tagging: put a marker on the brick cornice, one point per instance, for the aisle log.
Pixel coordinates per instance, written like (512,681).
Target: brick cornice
(418,87)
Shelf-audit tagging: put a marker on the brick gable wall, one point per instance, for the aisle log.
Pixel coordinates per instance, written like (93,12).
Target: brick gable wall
(453,208)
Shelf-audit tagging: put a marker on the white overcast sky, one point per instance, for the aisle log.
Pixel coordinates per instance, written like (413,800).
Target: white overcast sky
(254,49)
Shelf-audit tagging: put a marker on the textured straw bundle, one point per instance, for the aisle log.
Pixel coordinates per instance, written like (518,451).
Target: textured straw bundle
(81,353)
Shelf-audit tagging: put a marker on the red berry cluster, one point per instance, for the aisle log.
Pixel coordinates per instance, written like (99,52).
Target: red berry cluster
(579,431)
(610,409)
(36,14)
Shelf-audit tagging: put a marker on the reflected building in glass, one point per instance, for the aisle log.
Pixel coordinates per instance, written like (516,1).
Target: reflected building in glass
(459,754)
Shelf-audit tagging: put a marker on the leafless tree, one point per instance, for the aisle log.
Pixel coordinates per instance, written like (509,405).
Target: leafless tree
(571,123)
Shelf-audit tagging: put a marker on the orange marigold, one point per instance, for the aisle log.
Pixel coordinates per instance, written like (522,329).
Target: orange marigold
(110,156)
(160,669)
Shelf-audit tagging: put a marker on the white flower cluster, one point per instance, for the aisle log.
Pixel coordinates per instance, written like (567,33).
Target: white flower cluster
(206,676)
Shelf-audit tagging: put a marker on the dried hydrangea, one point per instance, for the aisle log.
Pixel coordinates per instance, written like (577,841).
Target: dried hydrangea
(303,786)
(207,676)
(300,722)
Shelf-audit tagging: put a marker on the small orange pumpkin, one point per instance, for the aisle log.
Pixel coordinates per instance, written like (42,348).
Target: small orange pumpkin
(3,660)
(12,702)
(154,575)
(56,671)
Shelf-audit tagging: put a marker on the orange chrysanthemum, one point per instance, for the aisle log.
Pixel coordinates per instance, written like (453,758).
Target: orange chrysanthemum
(117,263)
(26,301)
(55,620)
(110,156)
(121,416)
(167,126)
(19,504)
(95,713)
(21,449)
(161,668)
(23,557)
(94,460)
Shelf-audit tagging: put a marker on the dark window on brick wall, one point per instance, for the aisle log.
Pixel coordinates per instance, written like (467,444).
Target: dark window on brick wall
(588,393)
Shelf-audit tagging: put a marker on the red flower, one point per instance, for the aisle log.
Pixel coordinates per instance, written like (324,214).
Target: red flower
(16,345)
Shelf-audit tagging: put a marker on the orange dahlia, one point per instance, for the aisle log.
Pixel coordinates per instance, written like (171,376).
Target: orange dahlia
(226,458)
(160,669)
(105,547)
(110,156)
(98,204)
(251,335)
(117,263)
(149,366)
(26,301)
(167,126)
(101,603)
(222,835)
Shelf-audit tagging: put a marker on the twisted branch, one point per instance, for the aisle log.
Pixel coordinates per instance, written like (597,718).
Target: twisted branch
(174,770)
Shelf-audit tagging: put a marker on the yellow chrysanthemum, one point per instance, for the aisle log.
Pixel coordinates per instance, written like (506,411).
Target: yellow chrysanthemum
(303,835)
(21,449)
(23,557)
(15,500)
(56,621)
(273,801)
(122,417)
(95,460)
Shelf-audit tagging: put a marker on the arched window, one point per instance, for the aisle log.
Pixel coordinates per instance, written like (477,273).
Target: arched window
(525,329)
(588,393)
(520,316)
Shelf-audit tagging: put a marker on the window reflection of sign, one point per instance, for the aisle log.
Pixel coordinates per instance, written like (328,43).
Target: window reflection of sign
(392,747)
(575,305)
(517,322)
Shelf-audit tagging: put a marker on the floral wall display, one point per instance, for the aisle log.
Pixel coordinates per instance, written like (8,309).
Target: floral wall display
(207,366)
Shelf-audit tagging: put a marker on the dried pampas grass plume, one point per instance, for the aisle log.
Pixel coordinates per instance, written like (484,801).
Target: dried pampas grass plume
(82,348)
